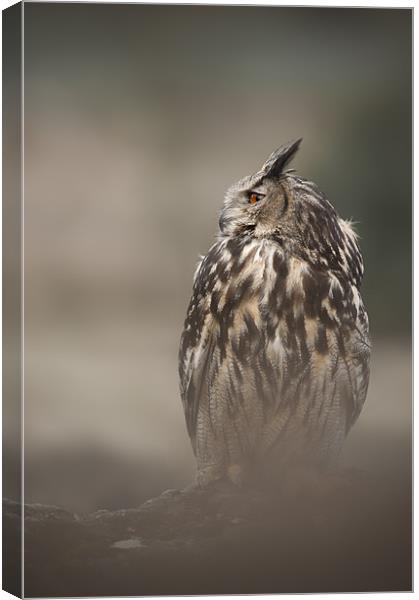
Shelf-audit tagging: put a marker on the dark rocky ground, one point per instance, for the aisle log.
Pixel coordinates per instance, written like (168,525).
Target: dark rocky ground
(341,533)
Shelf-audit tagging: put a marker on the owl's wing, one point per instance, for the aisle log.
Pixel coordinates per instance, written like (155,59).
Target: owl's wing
(196,347)
(327,396)
(359,366)
(194,375)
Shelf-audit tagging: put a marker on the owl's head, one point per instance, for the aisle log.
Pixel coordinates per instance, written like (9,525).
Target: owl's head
(271,202)
(264,204)
(276,204)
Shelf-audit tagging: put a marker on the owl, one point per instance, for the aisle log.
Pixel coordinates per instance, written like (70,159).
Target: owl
(274,355)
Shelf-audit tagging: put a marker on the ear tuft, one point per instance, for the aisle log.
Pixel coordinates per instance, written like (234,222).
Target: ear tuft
(277,161)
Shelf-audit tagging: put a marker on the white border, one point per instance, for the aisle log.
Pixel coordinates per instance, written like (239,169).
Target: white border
(292,3)
(22,304)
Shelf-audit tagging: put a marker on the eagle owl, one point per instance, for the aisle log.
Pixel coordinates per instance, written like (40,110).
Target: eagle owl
(274,355)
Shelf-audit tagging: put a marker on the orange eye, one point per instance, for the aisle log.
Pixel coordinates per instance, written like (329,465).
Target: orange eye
(253,198)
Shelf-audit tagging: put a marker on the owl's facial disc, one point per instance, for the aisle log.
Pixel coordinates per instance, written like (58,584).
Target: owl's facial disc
(272,210)
(257,211)
(258,203)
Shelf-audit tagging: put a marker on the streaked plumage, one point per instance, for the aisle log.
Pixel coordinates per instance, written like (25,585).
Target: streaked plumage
(274,356)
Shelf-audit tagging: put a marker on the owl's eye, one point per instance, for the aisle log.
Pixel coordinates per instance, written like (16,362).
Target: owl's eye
(254,197)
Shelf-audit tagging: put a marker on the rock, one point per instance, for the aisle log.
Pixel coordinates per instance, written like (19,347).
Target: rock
(129,544)
(327,537)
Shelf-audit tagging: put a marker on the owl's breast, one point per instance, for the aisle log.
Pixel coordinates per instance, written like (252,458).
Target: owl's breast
(264,298)
(265,330)
(239,298)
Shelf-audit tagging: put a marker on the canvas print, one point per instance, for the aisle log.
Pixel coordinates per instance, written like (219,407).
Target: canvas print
(207,299)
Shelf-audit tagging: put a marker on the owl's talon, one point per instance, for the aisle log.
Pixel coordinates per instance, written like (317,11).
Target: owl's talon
(208,475)
(235,475)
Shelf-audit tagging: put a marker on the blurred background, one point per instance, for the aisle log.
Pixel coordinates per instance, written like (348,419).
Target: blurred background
(137,118)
